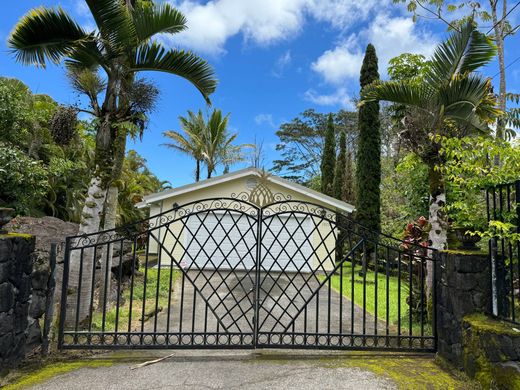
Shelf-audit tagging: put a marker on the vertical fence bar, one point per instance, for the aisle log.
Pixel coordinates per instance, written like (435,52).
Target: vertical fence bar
(421,283)
(258,261)
(78,291)
(436,267)
(105,292)
(517,201)
(376,292)
(410,297)
(365,267)
(170,282)
(352,288)
(49,301)
(387,303)
(145,282)
(92,289)
(510,252)
(341,299)
(119,280)
(156,311)
(64,288)
(130,305)
(399,299)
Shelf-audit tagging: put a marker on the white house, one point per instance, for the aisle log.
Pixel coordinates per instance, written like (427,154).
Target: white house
(294,236)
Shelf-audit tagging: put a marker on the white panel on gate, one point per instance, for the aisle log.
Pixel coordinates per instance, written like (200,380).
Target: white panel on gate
(220,240)
(227,241)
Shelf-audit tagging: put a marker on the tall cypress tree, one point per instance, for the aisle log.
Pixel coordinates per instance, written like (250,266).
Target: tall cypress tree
(368,167)
(349,184)
(341,162)
(339,182)
(328,159)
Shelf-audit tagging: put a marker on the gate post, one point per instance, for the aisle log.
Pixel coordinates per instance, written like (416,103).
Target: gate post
(462,289)
(258,255)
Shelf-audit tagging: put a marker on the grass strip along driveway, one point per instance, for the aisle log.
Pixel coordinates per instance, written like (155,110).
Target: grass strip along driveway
(368,282)
(156,289)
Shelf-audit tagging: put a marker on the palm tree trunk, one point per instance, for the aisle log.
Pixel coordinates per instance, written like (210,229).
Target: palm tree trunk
(197,171)
(110,216)
(437,218)
(82,261)
(499,40)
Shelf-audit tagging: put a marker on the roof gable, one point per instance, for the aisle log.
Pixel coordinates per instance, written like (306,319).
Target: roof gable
(248,172)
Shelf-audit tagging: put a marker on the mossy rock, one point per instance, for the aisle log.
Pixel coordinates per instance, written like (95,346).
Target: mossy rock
(482,323)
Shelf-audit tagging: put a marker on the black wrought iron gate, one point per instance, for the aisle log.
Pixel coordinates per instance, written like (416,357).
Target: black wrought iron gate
(229,273)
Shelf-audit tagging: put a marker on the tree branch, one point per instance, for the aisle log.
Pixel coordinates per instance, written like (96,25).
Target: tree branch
(437,14)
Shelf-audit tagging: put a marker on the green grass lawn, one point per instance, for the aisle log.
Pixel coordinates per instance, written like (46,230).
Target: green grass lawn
(371,292)
(137,304)
(393,296)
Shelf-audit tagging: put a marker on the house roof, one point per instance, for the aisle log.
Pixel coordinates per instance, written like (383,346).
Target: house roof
(315,195)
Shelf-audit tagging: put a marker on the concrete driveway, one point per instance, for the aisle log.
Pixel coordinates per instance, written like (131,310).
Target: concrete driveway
(223,370)
(223,301)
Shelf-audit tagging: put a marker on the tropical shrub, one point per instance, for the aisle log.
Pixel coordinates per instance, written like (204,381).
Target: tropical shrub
(23,181)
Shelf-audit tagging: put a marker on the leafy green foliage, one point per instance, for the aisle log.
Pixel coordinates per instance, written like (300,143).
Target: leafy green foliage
(15,105)
(23,181)
(368,167)
(47,171)
(328,159)
(301,143)
(136,182)
(404,193)
(472,164)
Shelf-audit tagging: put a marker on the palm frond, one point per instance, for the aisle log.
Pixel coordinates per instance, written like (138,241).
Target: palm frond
(466,96)
(156,19)
(513,117)
(513,97)
(400,92)
(462,53)
(45,33)
(87,54)
(114,23)
(154,57)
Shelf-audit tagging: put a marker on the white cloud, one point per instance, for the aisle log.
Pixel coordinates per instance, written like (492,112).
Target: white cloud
(263,22)
(340,13)
(264,118)
(339,63)
(391,36)
(281,63)
(210,25)
(340,97)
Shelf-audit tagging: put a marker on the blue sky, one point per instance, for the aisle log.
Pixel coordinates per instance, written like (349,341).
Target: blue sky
(273,59)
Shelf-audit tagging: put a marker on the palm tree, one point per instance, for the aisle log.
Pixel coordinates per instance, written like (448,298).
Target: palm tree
(452,101)
(106,61)
(217,144)
(189,143)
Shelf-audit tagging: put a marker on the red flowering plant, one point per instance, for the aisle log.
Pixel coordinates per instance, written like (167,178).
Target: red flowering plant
(415,236)
(415,243)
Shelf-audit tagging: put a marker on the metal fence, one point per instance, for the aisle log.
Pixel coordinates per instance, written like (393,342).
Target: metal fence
(227,273)
(503,205)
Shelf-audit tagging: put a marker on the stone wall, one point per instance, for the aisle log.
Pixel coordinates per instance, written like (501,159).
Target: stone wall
(485,348)
(463,288)
(18,311)
(491,352)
